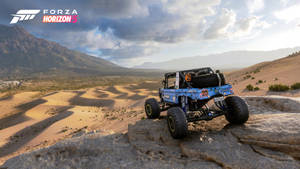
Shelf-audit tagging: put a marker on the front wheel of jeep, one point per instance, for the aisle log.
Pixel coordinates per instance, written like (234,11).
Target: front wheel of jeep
(177,122)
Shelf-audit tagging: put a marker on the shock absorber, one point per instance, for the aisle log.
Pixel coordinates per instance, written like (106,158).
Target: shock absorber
(184,104)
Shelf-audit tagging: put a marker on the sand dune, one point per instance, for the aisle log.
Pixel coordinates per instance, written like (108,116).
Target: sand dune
(28,123)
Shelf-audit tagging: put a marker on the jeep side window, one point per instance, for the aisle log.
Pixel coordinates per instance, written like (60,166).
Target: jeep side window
(171,83)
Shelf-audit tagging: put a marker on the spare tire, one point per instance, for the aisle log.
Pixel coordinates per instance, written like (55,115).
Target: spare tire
(208,80)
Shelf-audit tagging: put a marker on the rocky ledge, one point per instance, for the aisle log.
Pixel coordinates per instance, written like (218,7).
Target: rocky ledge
(267,140)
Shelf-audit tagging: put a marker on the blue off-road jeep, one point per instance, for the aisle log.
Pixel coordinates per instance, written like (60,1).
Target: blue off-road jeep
(186,94)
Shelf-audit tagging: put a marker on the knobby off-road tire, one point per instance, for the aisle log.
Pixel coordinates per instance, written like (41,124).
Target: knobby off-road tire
(152,108)
(237,112)
(177,122)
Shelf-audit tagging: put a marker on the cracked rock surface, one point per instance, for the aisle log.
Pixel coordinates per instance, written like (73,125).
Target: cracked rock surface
(266,141)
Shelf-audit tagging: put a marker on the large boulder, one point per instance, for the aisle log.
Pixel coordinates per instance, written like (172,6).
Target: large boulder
(265,141)
(98,151)
(272,104)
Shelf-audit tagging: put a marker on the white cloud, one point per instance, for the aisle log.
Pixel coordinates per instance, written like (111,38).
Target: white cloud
(289,14)
(191,8)
(92,40)
(255,5)
(245,26)
(284,39)
(168,22)
(221,25)
(226,26)
(284,2)
(113,8)
(108,46)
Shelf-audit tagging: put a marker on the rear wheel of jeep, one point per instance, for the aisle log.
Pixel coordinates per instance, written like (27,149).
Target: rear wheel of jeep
(237,112)
(177,123)
(152,108)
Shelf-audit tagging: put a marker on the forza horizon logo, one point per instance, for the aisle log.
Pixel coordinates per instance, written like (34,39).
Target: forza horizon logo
(50,15)
(59,16)
(24,14)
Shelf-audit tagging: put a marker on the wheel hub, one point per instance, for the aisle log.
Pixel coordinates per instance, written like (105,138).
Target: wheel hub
(171,123)
(148,109)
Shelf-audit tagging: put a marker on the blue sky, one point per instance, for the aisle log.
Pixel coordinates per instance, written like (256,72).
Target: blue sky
(130,32)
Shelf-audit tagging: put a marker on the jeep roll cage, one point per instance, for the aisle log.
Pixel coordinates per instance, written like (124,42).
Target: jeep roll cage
(201,71)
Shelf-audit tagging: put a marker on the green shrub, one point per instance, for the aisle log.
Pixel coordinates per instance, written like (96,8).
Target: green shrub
(260,81)
(295,86)
(249,87)
(252,78)
(256,71)
(256,88)
(278,88)
(247,77)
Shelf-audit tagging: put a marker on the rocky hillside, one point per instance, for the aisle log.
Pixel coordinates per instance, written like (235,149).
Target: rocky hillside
(22,54)
(270,139)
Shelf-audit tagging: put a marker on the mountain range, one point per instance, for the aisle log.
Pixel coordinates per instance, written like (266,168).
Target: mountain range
(24,55)
(225,61)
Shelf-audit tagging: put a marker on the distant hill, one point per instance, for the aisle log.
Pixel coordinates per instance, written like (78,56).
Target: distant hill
(225,61)
(23,55)
(281,71)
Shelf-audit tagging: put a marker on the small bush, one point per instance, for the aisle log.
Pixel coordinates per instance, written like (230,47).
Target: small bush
(278,88)
(295,86)
(247,77)
(275,79)
(249,87)
(256,88)
(260,81)
(256,71)
(252,78)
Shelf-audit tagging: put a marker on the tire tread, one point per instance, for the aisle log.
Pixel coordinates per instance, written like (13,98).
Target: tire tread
(181,127)
(238,112)
(155,108)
